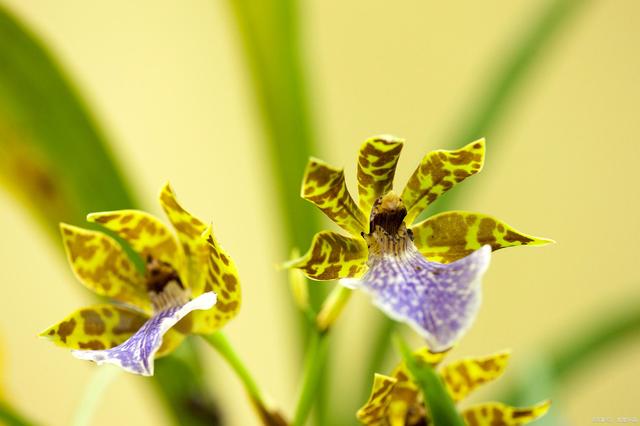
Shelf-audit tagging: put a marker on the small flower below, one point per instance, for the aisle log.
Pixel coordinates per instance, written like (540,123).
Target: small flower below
(396,400)
(189,285)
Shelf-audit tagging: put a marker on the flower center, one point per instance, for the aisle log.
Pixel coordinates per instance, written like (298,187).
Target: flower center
(164,286)
(388,233)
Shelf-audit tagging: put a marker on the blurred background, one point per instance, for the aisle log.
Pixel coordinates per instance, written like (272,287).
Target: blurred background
(168,83)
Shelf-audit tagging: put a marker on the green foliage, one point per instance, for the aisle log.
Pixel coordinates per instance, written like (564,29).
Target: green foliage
(55,159)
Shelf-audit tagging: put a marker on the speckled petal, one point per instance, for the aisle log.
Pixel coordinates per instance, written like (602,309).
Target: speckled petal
(221,278)
(100,326)
(449,236)
(439,301)
(136,355)
(190,232)
(498,414)
(324,186)
(332,256)
(101,265)
(147,235)
(374,411)
(464,376)
(438,172)
(376,168)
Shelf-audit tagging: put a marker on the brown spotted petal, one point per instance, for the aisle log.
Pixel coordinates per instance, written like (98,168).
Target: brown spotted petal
(376,168)
(464,376)
(100,326)
(221,278)
(438,172)
(147,235)
(136,354)
(325,187)
(190,231)
(449,236)
(498,414)
(332,256)
(101,265)
(374,411)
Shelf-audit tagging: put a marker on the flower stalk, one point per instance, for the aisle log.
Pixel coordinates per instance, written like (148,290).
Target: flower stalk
(221,344)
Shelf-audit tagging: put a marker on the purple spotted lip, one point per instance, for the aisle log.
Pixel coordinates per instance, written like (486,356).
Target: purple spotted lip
(439,301)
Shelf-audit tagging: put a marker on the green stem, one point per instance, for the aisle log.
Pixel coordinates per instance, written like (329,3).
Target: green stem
(438,402)
(314,366)
(220,343)
(102,378)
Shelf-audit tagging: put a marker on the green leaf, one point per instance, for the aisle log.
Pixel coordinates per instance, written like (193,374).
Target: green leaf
(270,36)
(56,160)
(439,403)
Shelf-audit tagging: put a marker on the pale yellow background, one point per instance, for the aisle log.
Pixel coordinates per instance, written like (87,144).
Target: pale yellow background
(167,80)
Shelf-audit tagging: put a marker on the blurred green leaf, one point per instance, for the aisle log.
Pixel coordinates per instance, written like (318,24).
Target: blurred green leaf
(9,417)
(55,159)
(488,113)
(576,350)
(270,36)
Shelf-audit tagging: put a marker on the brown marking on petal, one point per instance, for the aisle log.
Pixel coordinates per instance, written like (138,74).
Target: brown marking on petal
(127,323)
(93,324)
(79,248)
(107,312)
(382,390)
(124,264)
(485,232)
(168,199)
(52,332)
(224,259)
(230,282)
(523,412)
(330,271)
(93,345)
(227,307)
(124,219)
(186,228)
(66,329)
(105,218)
(511,237)
(471,419)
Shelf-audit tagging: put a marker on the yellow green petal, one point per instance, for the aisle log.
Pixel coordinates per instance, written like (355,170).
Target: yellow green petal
(101,265)
(438,172)
(221,278)
(332,256)
(463,376)
(376,168)
(147,235)
(325,187)
(450,236)
(498,414)
(95,327)
(104,326)
(374,411)
(189,230)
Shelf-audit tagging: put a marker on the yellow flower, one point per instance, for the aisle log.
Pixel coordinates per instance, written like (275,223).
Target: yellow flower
(396,400)
(189,285)
(427,274)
